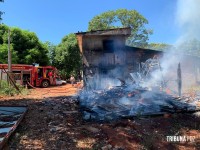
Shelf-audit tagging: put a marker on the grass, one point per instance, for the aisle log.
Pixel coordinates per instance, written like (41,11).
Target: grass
(6,89)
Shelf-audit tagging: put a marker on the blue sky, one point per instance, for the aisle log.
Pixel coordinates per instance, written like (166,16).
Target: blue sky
(52,20)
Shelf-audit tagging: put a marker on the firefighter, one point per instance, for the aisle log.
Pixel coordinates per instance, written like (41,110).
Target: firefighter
(50,74)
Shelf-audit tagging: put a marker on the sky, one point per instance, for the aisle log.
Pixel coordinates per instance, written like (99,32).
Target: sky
(52,20)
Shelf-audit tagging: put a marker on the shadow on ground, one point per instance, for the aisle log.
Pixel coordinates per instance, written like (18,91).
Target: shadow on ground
(56,123)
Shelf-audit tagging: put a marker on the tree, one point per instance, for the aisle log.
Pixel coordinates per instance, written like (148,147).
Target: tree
(30,49)
(4,46)
(51,52)
(4,54)
(123,18)
(67,56)
(159,46)
(25,44)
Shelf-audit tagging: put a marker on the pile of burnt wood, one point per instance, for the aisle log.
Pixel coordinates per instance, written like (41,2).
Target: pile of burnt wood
(132,101)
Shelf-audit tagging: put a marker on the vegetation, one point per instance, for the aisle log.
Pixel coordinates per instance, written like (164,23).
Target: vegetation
(123,18)
(25,46)
(159,46)
(67,56)
(6,89)
(51,52)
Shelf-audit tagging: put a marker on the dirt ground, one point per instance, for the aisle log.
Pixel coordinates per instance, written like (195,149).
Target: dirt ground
(54,122)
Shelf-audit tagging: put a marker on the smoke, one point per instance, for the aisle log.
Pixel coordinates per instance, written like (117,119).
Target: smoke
(166,74)
(187,18)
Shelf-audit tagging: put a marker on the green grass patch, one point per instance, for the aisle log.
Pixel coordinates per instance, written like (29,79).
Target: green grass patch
(6,89)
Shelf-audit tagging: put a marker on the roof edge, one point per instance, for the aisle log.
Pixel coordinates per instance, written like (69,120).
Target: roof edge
(92,32)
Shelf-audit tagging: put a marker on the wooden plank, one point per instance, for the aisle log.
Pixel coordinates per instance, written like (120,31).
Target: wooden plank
(179,79)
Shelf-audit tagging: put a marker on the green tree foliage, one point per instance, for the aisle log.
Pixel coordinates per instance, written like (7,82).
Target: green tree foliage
(51,52)
(4,54)
(67,56)
(159,46)
(4,46)
(123,18)
(26,47)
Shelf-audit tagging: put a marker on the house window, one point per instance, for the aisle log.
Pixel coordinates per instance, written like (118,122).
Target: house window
(108,46)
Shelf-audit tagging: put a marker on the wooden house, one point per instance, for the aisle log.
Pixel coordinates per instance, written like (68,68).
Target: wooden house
(106,58)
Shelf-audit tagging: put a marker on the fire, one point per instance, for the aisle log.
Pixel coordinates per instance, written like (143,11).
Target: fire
(168,91)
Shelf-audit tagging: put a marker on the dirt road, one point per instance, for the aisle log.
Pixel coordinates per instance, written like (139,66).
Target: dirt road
(40,93)
(54,122)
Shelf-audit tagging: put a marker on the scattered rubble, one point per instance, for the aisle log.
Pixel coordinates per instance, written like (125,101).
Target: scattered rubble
(57,123)
(129,101)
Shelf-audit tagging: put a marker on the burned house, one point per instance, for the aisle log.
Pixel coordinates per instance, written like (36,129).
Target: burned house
(102,51)
(107,61)
(108,64)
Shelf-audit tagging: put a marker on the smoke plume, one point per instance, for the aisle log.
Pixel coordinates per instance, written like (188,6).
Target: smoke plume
(187,18)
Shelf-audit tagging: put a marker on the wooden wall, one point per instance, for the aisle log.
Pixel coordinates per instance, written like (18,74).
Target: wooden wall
(104,67)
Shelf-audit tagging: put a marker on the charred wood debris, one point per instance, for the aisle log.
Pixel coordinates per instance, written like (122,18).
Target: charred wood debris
(131,100)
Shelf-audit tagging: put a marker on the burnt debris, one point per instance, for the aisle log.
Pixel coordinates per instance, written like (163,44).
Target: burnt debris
(130,101)
(144,96)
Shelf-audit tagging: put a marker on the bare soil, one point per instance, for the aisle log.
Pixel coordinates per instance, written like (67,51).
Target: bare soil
(54,122)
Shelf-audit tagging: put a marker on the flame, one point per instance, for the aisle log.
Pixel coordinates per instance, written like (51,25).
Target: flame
(168,91)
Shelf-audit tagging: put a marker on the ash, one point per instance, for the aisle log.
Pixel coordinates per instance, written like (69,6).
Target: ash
(131,101)
(145,95)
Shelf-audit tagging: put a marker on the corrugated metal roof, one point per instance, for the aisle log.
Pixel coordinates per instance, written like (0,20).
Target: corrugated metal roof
(10,117)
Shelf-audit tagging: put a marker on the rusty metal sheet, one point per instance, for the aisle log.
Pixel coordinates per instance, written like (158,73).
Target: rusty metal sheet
(10,117)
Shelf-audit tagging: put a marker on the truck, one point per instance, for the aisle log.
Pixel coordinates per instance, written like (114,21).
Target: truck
(30,75)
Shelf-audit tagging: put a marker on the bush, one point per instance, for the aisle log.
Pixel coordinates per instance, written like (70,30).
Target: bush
(6,89)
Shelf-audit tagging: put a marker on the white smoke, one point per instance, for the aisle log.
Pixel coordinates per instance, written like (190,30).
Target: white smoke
(167,73)
(188,19)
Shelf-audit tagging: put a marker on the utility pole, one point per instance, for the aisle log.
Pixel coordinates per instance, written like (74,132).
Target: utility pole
(9,62)
(9,54)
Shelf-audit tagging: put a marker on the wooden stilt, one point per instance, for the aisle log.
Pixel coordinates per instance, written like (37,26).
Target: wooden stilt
(179,79)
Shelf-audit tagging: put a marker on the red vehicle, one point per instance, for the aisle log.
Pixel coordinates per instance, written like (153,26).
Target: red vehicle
(31,75)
